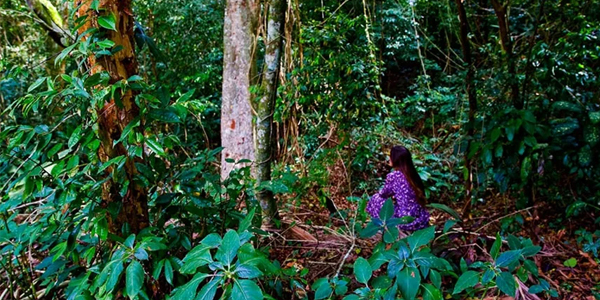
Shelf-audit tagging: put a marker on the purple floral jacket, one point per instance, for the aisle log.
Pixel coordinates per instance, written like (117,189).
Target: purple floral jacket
(405,202)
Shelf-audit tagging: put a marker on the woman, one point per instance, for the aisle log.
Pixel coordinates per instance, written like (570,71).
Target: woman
(407,190)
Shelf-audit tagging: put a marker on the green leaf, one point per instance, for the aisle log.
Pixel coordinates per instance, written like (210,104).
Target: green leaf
(165,116)
(525,168)
(467,280)
(245,224)
(531,250)
(135,279)
(507,258)
(246,290)
(362,270)
(168,271)
(488,275)
(107,22)
(185,97)
(507,284)
(188,290)
(75,136)
(155,146)
(115,274)
(129,241)
(158,269)
(323,290)
(445,209)
(198,257)
(135,78)
(370,230)
(247,271)
(436,278)
(571,262)
(209,290)
(391,234)
(408,280)
(377,260)
(229,248)
(531,267)
(430,292)
(420,238)
(495,134)
(513,242)
(36,84)
(141,254)
(594,117)
(387,211)
(212,240)
(496,246)
(448,225)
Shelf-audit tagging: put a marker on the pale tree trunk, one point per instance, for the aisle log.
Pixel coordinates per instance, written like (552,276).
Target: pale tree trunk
(266,106)
(113,117)
(238,67)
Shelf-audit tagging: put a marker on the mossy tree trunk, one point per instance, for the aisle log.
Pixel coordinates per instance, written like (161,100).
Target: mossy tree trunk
(115,115)
(265,107)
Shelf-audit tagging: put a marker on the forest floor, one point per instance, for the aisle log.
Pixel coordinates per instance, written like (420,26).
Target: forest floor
(327,246)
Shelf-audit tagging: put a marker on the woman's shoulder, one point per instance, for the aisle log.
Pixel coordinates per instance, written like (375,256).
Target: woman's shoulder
(395,175)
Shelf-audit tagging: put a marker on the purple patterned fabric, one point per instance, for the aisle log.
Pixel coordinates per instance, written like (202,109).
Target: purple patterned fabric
(406,203)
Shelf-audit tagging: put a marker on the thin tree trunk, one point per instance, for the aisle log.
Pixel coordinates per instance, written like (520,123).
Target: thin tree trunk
(115,115)
(466,49)
(238,66)
(500,11)
(266,105)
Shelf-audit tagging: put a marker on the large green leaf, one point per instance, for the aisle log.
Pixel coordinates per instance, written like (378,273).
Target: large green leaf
(229,248)
(507,258)
(209,290)
(506,283)
(387,211)
(466,280)
(362,270)
(246,290)
(188,290)
(430,292)
(408,280)
(107,22)
(436,278)
(420,238)
(199,256)
(134,279)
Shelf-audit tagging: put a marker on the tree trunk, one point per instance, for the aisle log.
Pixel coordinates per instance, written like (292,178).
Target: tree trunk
(265,107)
(500,11)
(238,68)
(466,49)
(115,115)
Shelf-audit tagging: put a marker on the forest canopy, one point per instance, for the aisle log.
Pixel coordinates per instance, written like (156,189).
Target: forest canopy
(229,149)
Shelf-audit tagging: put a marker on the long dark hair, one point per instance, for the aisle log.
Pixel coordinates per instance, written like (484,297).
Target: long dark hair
(402,160)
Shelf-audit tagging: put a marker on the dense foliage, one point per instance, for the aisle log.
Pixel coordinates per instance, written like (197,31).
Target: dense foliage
(356,78)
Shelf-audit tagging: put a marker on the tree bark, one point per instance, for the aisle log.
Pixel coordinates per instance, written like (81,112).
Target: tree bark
(238,66)
(115,115)
(51,20)
(500,11)
(466,49)
(265,107)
